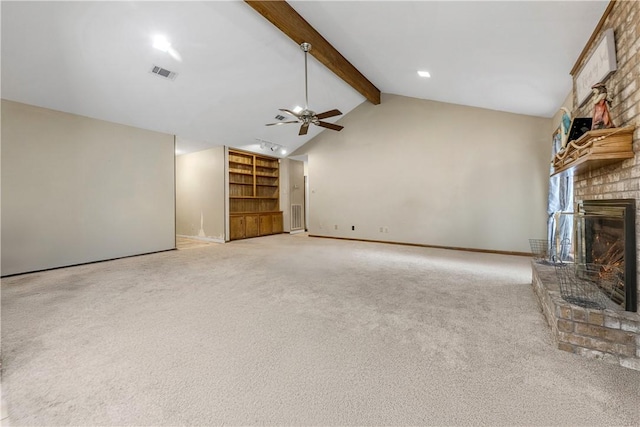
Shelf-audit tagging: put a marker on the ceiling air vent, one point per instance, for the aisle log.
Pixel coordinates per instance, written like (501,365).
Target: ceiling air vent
(163,72)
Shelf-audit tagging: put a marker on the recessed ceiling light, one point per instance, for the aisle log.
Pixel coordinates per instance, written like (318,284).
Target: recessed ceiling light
(424,74)
(161,43)
(283,151)
(297,109)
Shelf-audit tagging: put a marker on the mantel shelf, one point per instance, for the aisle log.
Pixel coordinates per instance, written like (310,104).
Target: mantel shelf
(594,149)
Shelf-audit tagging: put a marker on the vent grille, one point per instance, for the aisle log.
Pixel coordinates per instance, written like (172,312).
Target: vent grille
(296,217)
(163,72)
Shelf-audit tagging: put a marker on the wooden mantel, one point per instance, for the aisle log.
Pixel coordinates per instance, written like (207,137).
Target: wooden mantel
(595,149)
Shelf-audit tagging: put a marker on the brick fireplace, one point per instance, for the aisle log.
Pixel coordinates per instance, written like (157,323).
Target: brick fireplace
(610,335)
(622,180)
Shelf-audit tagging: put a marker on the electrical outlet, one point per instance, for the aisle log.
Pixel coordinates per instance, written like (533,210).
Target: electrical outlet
(353,227)
(386,229)
(381,229)
(335,227)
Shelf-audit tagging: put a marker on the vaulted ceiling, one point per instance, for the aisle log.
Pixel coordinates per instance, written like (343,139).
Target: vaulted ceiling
(235,69)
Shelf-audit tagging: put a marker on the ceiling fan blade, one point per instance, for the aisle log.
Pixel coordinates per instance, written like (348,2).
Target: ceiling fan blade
(330,126)
(281,123)
(290,112)
(328,114)
(304,129)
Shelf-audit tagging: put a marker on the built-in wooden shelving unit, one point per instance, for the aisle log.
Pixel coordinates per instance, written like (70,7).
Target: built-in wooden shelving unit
(254,195)
(594,149)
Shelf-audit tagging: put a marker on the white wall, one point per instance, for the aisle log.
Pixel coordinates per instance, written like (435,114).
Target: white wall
(200,194)
(77,190)
(433,173)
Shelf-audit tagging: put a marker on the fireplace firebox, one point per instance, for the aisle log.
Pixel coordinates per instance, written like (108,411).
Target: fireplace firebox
(605,235)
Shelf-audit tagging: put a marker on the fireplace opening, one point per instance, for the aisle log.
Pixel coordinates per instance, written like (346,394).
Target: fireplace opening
(605,236)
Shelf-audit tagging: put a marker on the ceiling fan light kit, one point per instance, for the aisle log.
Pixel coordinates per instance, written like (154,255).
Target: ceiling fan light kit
(307,117)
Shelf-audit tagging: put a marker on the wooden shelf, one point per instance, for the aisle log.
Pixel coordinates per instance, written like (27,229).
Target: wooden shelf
(253,195)
(240,171)
(256,213)
(594,149)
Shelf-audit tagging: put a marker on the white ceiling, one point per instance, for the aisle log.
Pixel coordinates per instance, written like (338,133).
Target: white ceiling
(236,69)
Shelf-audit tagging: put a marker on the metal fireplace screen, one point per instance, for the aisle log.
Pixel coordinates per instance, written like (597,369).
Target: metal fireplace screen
(605,236)
(539,250)
(590,285)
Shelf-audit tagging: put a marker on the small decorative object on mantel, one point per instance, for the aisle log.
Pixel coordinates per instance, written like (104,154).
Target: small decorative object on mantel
(579,126)
(601,104)
(565,124)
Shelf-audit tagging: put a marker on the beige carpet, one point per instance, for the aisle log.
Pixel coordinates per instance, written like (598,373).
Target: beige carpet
(187,243)
(284,330)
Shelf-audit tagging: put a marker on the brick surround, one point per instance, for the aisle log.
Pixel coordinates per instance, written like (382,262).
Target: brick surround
(621,180)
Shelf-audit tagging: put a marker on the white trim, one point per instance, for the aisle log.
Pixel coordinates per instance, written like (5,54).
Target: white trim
(297,231)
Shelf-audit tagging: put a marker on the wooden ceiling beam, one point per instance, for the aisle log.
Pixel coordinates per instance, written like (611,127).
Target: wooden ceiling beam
(287,20)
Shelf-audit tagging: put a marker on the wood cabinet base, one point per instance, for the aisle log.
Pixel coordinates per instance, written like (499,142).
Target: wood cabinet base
(242,226)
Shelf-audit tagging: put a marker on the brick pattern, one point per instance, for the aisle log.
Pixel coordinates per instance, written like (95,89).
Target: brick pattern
(622,180)
(612,336)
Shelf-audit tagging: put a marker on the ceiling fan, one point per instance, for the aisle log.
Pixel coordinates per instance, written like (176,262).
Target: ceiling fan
(307,116)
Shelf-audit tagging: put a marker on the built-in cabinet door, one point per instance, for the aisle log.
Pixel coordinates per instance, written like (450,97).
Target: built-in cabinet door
(236,227)
(276,221)
(252,225)
(265,225)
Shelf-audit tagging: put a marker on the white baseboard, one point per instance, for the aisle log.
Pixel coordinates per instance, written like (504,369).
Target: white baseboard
(297,232)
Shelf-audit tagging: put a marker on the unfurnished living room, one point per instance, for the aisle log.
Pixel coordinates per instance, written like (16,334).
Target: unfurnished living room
(320,213)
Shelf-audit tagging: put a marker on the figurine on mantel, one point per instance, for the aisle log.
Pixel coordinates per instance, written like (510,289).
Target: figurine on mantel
(601,104)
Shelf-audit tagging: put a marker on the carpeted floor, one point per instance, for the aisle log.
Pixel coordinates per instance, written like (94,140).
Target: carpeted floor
(285,330)
(187,243)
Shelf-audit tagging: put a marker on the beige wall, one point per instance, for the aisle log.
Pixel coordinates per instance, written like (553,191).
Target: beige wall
(291,188)
(296,186)
(200,194)
(285,194)
(76,190)
(431,173)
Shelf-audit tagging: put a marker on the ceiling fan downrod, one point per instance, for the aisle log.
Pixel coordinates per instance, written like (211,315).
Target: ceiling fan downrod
(306,47)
